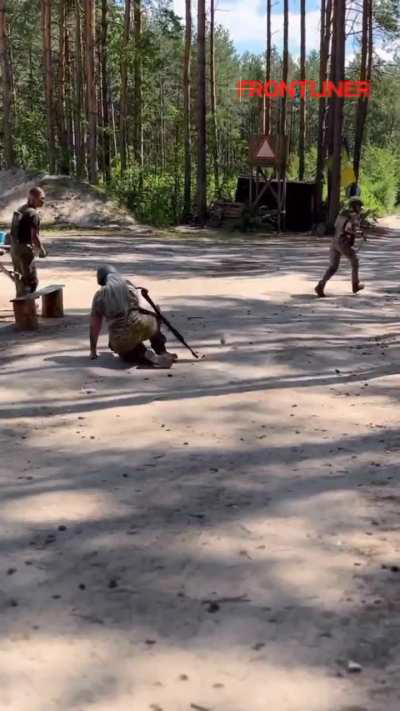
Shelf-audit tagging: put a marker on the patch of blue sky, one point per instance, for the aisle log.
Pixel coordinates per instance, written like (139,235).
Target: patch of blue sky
(246,23)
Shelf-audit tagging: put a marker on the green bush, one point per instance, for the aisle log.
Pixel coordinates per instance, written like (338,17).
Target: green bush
(379,179)
(152,198)
(157,199)
(310,162)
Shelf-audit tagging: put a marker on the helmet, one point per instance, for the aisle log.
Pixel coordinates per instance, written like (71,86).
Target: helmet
(103,272)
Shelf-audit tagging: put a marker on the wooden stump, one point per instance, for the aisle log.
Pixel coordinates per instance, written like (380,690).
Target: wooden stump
(25,315)
(25,306)
(52,304)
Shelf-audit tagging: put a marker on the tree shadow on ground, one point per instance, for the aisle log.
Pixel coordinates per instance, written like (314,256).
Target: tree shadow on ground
(174,547)
(153,562)
(316,347)
(213,257)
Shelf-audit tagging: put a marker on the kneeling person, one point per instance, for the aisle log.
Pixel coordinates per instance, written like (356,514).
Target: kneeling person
(129,325)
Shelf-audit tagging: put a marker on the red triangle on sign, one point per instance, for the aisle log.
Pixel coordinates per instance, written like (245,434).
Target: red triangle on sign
(265,150)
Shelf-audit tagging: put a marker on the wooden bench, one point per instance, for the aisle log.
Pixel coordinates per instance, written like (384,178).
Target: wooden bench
(25,306)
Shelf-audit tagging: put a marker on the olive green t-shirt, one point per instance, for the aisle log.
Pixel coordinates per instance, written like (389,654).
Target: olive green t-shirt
(30,218)
(98,306)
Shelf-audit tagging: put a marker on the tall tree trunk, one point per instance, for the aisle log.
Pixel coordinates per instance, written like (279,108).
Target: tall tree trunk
(267,100)
(285,64)
(201,206)
(8,112)
(370,39)
(331,105)
(162,126)
(79,130)
(187,191)
(338,60)
(99,70)
(325,38)
(48,80)
(90,21)
(123,116)
(114,127)
(138,123)
(69,73)
(61,104)
(291,132)
(30,62)
(175,200)
(365,74)
(213,101)
(105,92)
(283,118)
(302,127)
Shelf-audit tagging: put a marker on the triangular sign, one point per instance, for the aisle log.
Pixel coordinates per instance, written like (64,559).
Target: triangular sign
(265,150)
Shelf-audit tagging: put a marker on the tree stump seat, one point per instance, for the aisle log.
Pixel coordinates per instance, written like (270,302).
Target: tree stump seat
(25,307)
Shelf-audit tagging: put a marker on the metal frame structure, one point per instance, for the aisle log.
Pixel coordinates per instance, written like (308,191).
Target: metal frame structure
(276,163)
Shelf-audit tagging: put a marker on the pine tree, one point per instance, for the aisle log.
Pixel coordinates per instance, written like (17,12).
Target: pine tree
(105,92)
(336,108)
(79,130)
(325,40)
(302,127)
(90,23)
(365,75)
(187,195)
(123,117)
(8,111)
(48,80)
(213,99)
(137,121)
(201,207)
(267,100)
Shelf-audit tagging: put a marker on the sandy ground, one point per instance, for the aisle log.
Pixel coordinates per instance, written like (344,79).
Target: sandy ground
(223,536)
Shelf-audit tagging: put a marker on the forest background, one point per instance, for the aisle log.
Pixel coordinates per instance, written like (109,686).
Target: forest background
(139,98)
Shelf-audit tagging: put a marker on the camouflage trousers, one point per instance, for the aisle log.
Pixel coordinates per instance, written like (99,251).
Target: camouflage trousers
(127,333)
(23,260)
(341,247)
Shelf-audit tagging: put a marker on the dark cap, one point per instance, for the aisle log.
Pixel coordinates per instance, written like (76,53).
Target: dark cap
(103,272)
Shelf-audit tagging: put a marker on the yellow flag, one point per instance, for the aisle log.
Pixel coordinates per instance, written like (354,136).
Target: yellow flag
(347,176)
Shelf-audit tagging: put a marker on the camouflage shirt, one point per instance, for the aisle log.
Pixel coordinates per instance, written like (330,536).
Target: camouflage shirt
(98,307)
(127,330)
(346,225)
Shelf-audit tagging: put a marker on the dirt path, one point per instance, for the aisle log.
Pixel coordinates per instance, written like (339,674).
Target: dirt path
(223,536)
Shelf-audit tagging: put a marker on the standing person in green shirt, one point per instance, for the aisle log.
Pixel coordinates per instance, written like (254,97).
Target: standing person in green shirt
(25,241)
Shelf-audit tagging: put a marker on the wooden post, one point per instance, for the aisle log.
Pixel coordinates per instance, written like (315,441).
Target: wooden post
(52,304)
(25,315)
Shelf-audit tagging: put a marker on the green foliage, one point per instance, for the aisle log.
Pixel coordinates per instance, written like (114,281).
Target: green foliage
(380,179)
(387,15)
(156,195)
(309,165)
(152,198)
